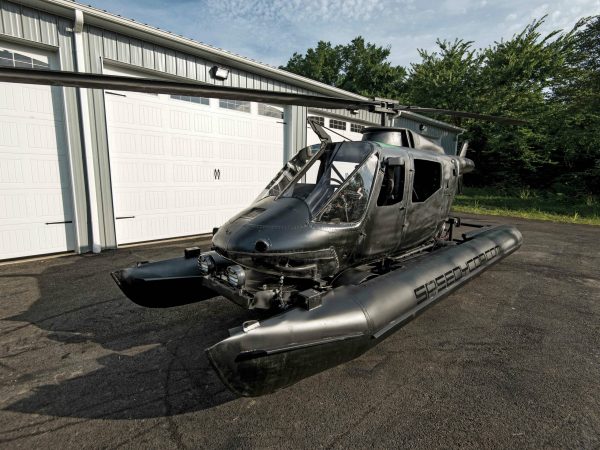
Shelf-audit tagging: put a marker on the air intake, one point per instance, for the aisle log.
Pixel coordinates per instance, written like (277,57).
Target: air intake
(386,135)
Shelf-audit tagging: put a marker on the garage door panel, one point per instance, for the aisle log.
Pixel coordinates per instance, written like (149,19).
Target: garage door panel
(9,134)
(35,183)
(45,204)
(25,239)
(189,147)
(180,168)
(31,136)
(31,101)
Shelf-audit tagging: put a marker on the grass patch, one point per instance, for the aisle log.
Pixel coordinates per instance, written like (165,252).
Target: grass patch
(529,204)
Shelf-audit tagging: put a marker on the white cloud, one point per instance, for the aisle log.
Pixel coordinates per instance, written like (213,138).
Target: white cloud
(271,30)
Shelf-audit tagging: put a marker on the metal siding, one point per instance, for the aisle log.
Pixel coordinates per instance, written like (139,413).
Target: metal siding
(200,70)
(160,59)
(181,61)
(132,51)
(94,44)
(191,67)
(136,52)
(447,138)
(11,19)
(235,78)
(123,52)
(294,130)
(148,55)
(80,203)
(171,64)
(48,29)
(31,25)
(109,45)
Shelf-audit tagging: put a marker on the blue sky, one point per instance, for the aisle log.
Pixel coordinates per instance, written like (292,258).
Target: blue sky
(271,30)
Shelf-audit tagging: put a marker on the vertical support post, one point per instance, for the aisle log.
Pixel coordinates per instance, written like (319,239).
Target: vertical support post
(87,136)
(294,130)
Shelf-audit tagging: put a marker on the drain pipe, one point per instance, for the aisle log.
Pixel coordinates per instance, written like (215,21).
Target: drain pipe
(87,135)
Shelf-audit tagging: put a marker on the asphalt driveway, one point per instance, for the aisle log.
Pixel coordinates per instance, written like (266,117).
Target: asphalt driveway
(511,360)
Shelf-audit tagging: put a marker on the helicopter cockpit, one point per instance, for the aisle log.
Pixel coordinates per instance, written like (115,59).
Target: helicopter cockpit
(334,180)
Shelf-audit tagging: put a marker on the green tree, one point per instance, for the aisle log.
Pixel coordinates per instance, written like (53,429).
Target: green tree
(575,122)
(446,79)
(509,78)
(359,67)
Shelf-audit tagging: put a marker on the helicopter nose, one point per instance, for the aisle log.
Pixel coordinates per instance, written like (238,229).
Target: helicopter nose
(280,227)
(249,239)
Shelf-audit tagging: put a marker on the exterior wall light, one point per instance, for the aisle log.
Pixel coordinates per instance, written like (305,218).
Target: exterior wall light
(219,73)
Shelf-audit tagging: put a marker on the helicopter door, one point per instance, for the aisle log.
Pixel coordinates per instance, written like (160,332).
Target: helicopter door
(427,204)
(384,232)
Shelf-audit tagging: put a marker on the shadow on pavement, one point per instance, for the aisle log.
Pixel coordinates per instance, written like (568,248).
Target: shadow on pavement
(115,360)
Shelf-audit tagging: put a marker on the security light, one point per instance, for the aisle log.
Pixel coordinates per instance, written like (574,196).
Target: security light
(219,73)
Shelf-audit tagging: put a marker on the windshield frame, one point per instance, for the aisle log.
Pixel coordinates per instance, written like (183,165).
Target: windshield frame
(319,213)
(305,169)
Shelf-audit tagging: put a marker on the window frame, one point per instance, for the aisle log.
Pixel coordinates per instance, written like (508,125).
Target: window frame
(182,98)
(356,128)
(233,102)
(334,122)
(414,168)
(265,107)
(404,180)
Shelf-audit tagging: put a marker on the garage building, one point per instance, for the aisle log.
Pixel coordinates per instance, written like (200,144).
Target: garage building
(85,170)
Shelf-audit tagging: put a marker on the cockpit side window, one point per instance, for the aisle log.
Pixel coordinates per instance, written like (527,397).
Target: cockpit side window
(427,179)
(392,186)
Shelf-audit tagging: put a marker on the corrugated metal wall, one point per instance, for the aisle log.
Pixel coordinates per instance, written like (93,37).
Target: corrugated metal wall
(447,138)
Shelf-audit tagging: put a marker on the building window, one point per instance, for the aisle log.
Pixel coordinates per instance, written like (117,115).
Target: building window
(269,111)
(337,124)
(187,98)
(235,104)
(10,59)
(319,120)
(355,128)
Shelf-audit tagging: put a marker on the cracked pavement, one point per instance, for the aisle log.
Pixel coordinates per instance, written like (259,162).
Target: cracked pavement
(510,360)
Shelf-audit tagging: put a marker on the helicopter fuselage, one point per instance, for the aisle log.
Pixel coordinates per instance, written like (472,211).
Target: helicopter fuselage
(406,204)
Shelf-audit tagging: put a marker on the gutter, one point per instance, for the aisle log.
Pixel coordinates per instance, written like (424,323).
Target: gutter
(87,134)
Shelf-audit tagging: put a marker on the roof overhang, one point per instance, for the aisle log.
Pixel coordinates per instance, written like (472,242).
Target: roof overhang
(112,22)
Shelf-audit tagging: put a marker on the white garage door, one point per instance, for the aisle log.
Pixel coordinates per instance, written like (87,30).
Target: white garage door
(180,166)
(36,212)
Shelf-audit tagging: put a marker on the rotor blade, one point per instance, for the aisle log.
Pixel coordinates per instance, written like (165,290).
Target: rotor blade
(470,115)
(153,86)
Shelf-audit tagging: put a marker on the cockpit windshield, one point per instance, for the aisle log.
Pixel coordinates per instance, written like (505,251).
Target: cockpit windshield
(335,182)
(291,169)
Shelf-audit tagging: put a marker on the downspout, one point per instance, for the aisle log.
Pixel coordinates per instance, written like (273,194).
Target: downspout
(87,135)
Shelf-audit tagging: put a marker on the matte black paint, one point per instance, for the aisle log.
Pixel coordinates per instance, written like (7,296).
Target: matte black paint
(299,343)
